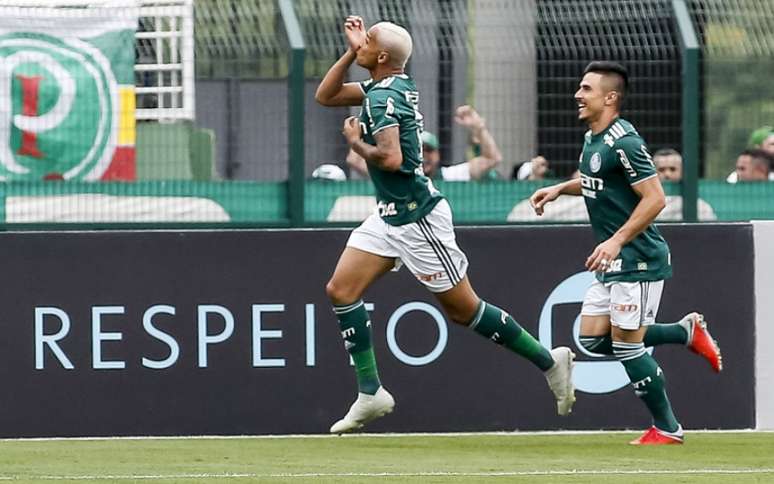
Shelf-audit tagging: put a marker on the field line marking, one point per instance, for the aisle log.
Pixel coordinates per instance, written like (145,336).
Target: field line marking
(311,475)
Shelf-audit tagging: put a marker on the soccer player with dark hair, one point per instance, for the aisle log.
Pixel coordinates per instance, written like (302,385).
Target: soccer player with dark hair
(413,225)
(623,197)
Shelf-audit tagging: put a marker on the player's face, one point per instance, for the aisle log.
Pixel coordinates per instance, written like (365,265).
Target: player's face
(747,169)
(430,160)
(768,144)
(669,167)
(368,53)
(591,97)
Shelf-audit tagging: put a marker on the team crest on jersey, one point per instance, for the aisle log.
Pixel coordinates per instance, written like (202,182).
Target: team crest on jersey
(596,162)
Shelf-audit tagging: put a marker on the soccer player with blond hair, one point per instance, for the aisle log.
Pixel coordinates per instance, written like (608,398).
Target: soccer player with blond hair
(413,224)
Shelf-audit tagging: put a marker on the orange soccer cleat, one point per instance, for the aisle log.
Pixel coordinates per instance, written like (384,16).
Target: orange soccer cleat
(700,341)
(654,436)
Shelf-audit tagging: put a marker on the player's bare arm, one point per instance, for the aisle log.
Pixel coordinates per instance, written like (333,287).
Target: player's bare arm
(652,201)
(386,155)
(357,163)
(333,91)
(541,197)
(490,153)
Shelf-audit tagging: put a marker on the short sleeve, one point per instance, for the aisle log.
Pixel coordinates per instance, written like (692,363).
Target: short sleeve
(380,111)
(634,157)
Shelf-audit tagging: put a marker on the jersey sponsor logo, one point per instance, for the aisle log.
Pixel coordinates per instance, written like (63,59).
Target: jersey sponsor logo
(642,266)
(348,332)
(624,308)
(608,140)
(386,209)
(412,206)
(596,162)
(431,277)
(593,183)
(626,163)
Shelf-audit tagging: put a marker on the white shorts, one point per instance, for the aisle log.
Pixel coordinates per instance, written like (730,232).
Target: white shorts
(629,304)
(427,247)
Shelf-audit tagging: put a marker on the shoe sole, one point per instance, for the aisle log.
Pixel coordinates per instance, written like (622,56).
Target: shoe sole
(362,424)
(699,320)
(570,364)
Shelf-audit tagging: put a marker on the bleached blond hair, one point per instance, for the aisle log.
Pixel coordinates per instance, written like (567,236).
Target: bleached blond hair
(395,40)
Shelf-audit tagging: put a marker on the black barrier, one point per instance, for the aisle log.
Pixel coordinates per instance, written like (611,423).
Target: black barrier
(179,333)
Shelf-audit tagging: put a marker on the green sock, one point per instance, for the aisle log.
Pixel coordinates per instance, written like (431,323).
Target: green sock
(356,331)
(648,381)
(657,334)
(497,325)
(666,333)
(602,345)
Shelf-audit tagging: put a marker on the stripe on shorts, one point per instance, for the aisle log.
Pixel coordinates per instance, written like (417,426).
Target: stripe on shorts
(440,251)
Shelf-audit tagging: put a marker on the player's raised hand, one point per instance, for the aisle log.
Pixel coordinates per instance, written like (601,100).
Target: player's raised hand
(351,129)
(604,254)
(541,197)
(354,29)
(468,117)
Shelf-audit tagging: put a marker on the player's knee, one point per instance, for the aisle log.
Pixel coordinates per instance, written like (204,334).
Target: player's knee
(339,293)
(460,314)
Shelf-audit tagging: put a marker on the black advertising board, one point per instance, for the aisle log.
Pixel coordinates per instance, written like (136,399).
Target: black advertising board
(230,332)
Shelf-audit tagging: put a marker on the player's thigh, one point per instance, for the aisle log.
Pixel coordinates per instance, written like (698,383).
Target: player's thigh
(634,305)
(355,271)
(367,256)
(595,313)
(429,250)
(460,302)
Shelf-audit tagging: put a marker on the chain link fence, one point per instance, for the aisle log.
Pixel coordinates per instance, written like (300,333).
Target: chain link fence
(208,87)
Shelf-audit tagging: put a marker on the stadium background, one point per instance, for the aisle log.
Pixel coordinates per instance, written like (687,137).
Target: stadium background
(228,134)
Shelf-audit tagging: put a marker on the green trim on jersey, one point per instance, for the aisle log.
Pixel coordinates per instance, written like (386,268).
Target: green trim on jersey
(406,195)
(612,162)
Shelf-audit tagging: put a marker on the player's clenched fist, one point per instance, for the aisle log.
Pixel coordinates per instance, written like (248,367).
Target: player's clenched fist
(354,29)
(351,129)
(541,197)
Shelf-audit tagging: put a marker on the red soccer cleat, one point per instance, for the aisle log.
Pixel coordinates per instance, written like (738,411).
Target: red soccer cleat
(700,341)
(654,436)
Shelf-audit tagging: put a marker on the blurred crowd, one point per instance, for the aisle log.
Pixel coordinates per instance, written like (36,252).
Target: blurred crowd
(754,163)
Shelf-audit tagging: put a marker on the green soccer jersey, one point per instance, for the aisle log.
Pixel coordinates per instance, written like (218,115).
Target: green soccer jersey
(406,195)
(612,162)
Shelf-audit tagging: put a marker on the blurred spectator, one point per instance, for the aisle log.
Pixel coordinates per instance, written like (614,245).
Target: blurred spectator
(669,164)
(753,165)
(534,169)
(476,168)
(329,172)
(763,139)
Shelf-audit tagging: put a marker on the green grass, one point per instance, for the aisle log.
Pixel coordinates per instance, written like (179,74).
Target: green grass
(595,458)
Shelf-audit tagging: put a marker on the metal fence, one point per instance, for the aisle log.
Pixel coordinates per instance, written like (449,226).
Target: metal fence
(205,130)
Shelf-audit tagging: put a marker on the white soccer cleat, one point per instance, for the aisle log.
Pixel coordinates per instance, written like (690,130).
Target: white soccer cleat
(559,379)
(366,408)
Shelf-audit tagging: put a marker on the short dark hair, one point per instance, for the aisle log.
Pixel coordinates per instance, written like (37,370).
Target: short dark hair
(666,152)
(760,156)
(609,67)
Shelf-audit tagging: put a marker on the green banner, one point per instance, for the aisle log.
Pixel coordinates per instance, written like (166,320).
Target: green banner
(66,93)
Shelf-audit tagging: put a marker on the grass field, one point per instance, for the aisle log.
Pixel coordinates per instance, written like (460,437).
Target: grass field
(744,457)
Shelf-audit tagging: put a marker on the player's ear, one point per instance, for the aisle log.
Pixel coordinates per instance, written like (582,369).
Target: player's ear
(612,98)
(383,57)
